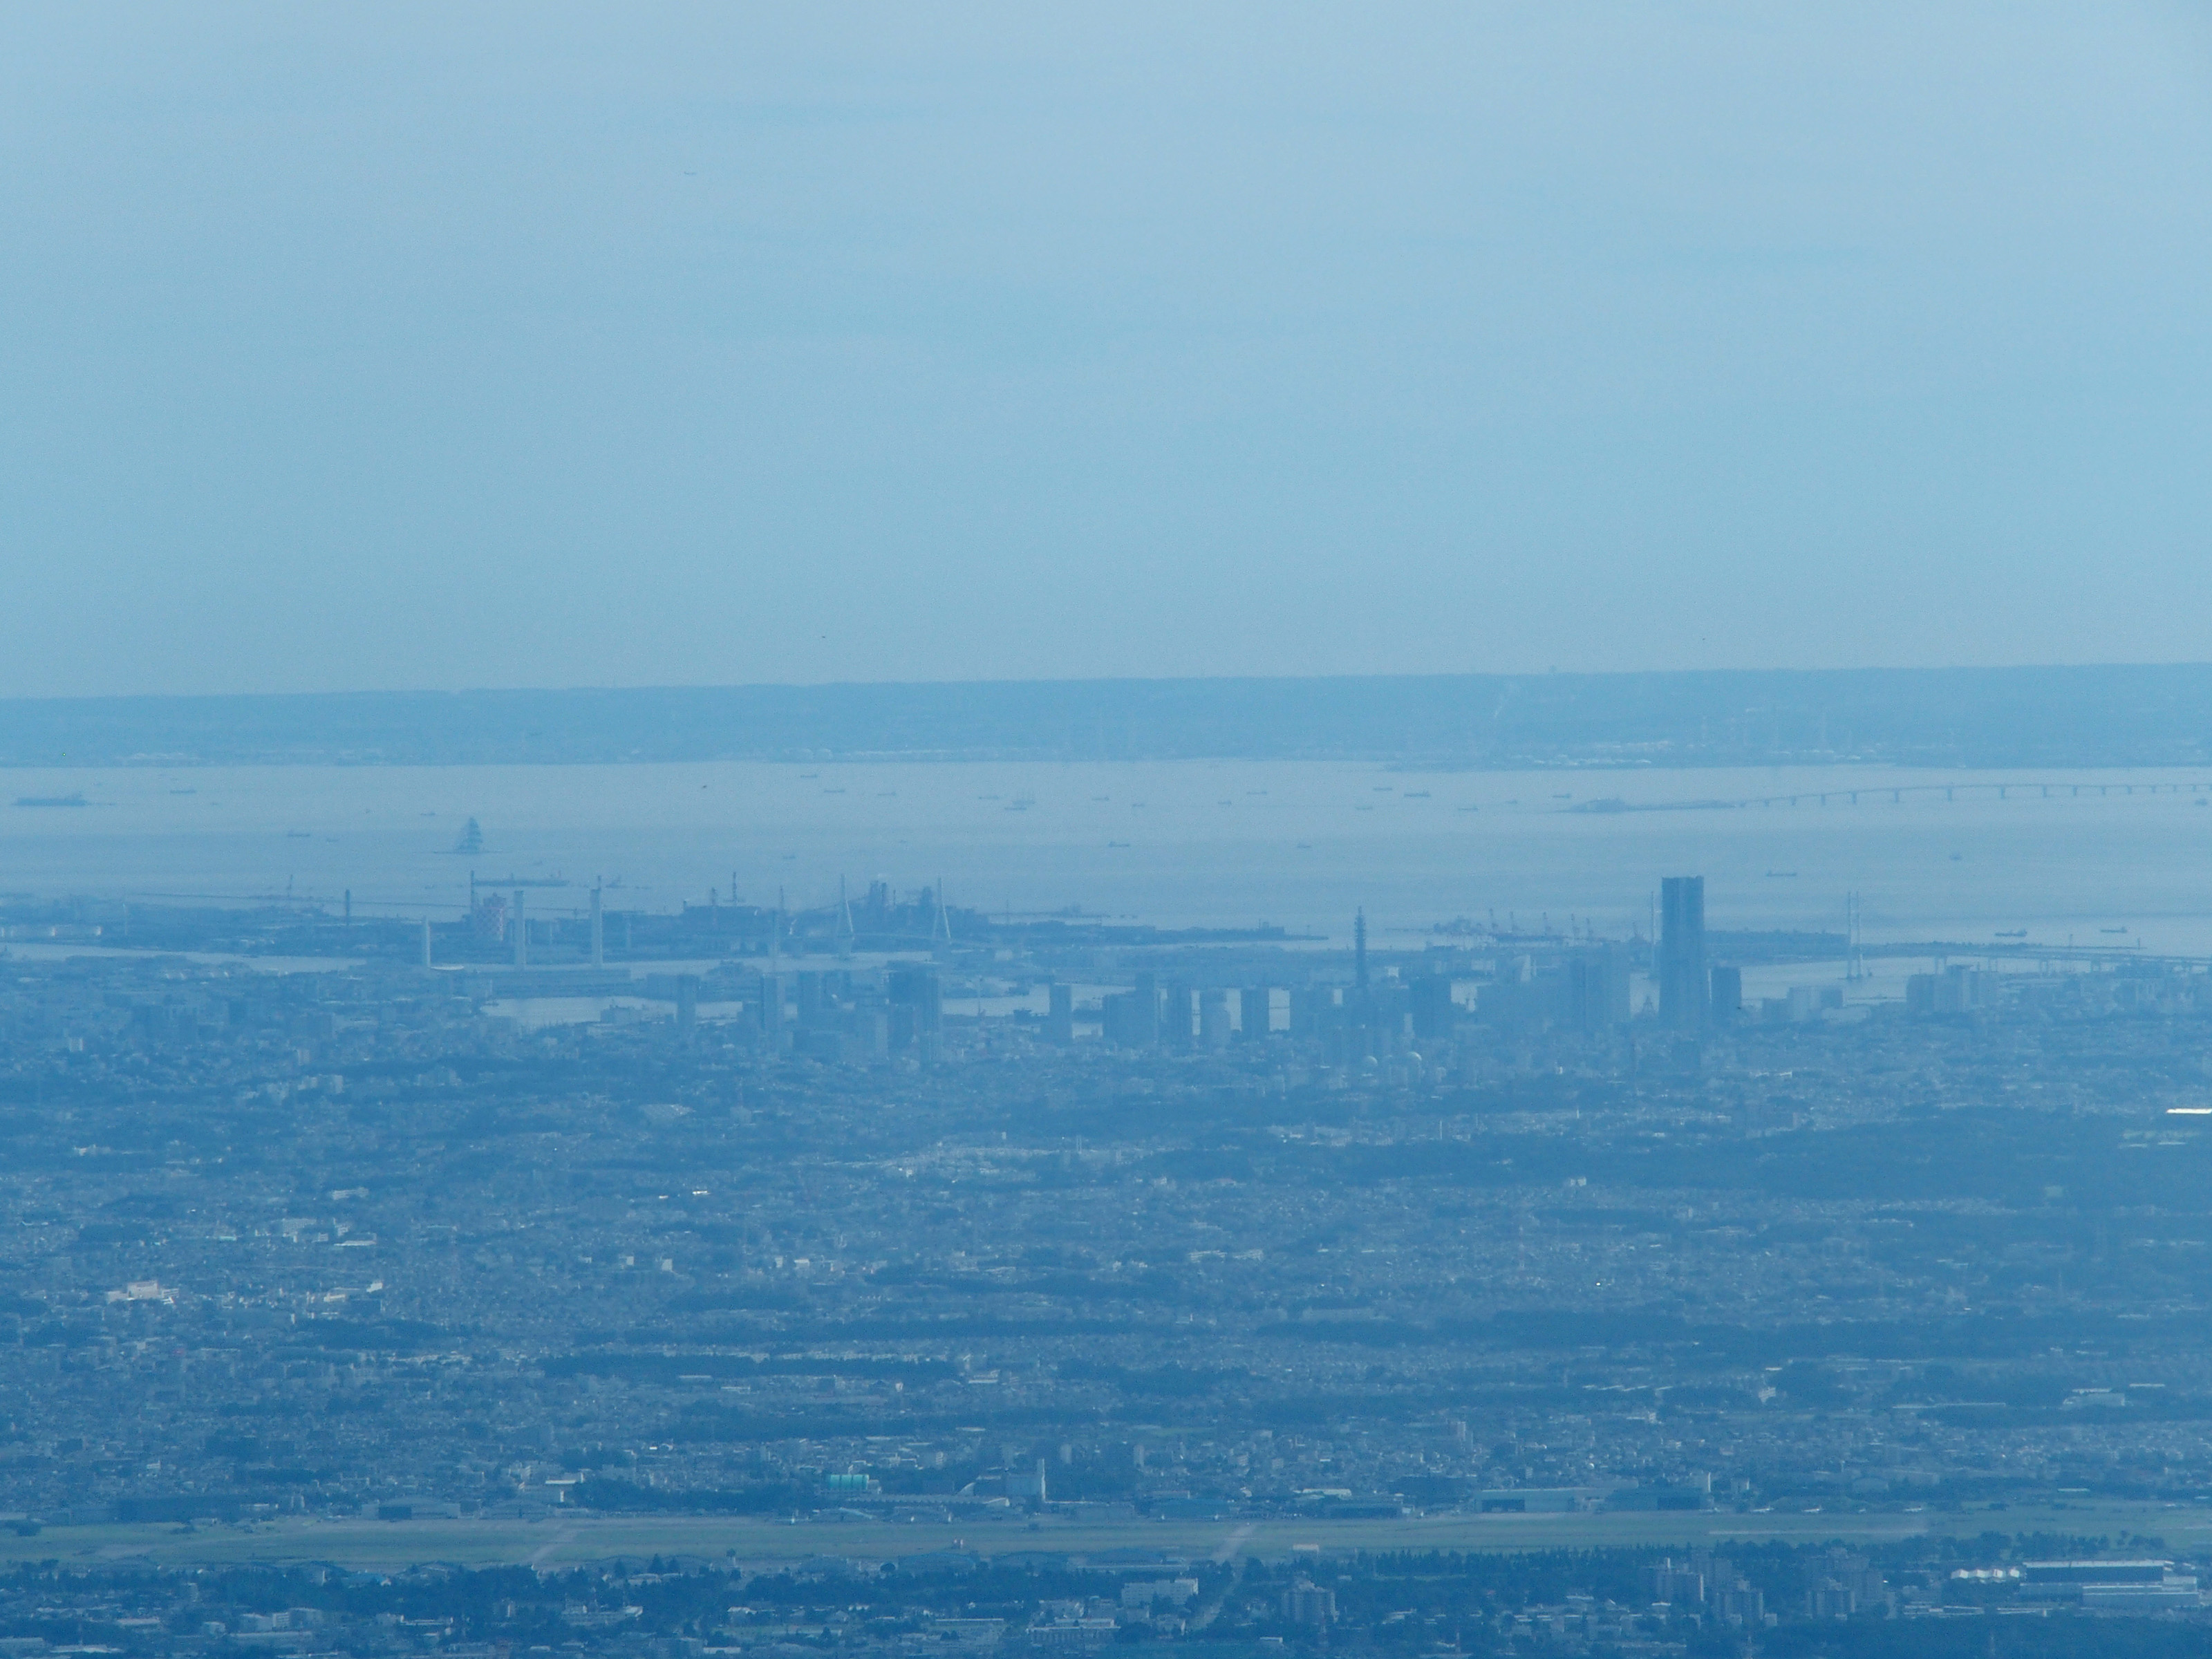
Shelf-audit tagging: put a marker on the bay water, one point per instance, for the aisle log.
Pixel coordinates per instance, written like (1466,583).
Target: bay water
(2110,859)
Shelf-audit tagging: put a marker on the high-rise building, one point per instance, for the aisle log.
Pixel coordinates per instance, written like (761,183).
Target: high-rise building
(1178,1016)
(1430,1002)
(1214,1027)
(1313,1010)
(1597,989)
(915,987)
(1254,1012)
(1132,1020)
(1684,992)
(1957,990)
(1728,994)
(1308,1603)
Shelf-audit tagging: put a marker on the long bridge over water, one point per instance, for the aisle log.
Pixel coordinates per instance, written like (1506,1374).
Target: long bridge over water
(1897,792)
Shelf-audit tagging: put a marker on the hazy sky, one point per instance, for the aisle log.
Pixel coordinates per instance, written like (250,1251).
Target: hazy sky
(385,345)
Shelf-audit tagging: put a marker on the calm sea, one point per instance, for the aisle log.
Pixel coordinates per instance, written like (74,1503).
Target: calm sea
(2063,856)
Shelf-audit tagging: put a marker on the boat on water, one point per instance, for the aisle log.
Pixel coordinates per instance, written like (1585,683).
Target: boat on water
(78,799)
(1782,875)
(2111,930)
(2017,933)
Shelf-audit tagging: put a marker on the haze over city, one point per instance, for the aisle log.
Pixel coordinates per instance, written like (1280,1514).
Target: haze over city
(402,347)
(965,833)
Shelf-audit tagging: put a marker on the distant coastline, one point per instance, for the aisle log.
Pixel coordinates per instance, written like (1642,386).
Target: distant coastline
(2157,716)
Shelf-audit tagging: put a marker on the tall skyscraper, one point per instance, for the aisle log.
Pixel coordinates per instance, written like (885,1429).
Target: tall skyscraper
(1597,989)
(1254,1012)
(1728,994)
(1178,1016)
(916,986)
(1685,1000)
(1144,1014)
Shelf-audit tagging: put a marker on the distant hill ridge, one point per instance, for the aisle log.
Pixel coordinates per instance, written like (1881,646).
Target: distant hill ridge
(2159,715)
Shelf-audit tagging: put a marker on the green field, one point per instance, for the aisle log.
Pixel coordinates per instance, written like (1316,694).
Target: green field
(563,1541)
